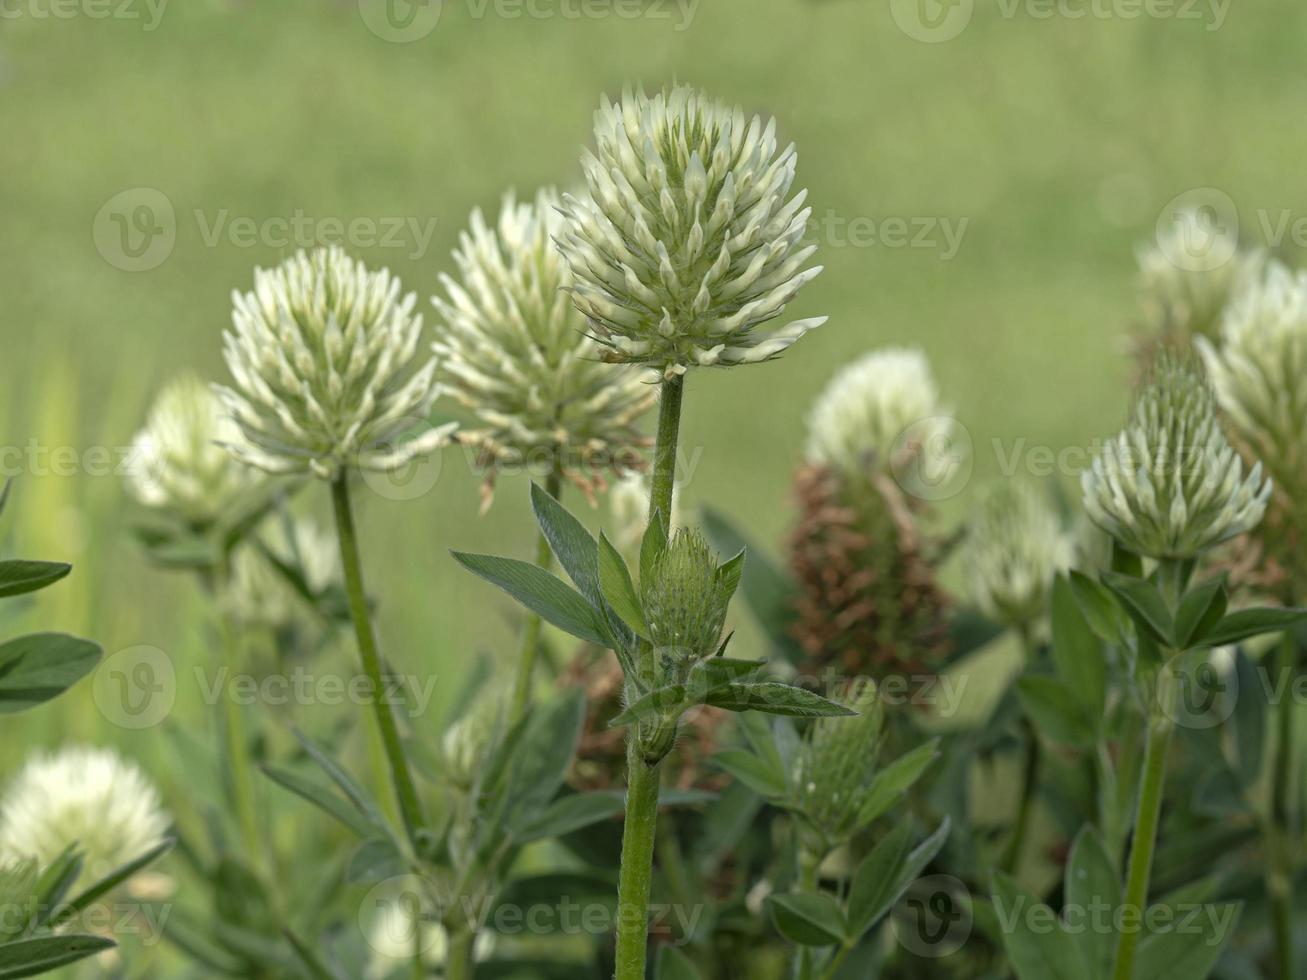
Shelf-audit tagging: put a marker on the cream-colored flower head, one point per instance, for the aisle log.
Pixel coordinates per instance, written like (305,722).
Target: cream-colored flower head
(178,463)
(1258,367)
(324,358)
(688,243)
(1015,546)
(514,351)
(1170,485)
(857,421)
(1188,276)
(90,796)
(259,595)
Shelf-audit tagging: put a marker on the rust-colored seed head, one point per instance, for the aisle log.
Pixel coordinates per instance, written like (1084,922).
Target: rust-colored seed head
(868,601)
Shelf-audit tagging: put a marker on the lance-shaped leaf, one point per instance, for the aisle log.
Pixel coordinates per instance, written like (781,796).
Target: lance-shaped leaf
(41,954)
(546,595)
(1144,604)
(761,775)
(571,543)
(775,698)
(38,667)
(1247,623)
(807,920)
(891,784)
(618,589)
(1200,610)
(19,576)
(886,873)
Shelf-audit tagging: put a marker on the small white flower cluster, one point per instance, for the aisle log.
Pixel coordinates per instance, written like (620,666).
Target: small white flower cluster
(688,242)
(1258,366)
(1015,546)
(514,350)
(323,355)
(258,595)
(858,419)
(178,463)
(88,796)
(1170,485)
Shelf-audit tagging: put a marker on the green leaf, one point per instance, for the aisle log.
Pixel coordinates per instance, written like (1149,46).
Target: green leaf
(618,589)
(542,759)
(1077,652)
(543,593)
(571,813)
(758,732)
(1055,710)
(1092,883)
(807,920)
(19,576)
(892,782)
(1144,604)
(41,954)
(1189,950)
(1102,612)
(759,774)
(354,792)
(675,965)
(1247,623)
(376,859)
(309,959)
(40,666)
(886,873)
(110,881)
(1200,610)
(572,544)
(728,575)
(323,798)
(655,704)
(653,543)
(716,672)
(775,698)
(1037,945)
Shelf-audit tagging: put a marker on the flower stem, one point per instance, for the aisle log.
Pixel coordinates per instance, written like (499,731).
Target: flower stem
(669,429)
(531,630)
(1280,822)
(459,963)
(636,878)
(1029,772)
(1147,818)
(237,752)
(405,791)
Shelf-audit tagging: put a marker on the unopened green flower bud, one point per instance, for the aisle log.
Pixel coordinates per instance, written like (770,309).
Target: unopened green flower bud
(515,351)
(689,242)
(1170,485)
(323,354)
(1257,368)
(837,761)
(469,741)
(685,598)
(1016,544)
(178,464)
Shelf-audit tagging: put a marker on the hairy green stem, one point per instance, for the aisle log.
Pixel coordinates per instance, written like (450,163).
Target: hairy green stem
(1160,727)
(1280,824)
(410,807)
(1029,770)
(636,877)
(809,877)
(669,434)
(531,630)
(459,961)
(240,774)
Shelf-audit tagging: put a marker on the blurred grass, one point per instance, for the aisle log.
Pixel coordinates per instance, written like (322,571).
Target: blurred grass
(1059,142)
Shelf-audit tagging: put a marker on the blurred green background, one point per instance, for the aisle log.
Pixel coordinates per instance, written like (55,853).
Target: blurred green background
(1057,140)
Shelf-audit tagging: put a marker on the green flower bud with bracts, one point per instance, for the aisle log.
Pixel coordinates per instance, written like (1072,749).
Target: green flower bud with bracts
(1257,367)
(685,597)
(178,463)
(258,594)
(864,414)
(324,358)
(514,351)
(689,242)
(468,742)
(1170,485)
(1015,546)
(836,763)
(1188,277)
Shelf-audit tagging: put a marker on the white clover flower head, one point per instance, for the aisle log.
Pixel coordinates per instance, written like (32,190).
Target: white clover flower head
(1257,367)
(1016,545)
(1170,485)
(257,594)
(515,351)
(1187,278)
(178,463)
(324,359)
(857,422)
(688,242)
(84,795)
